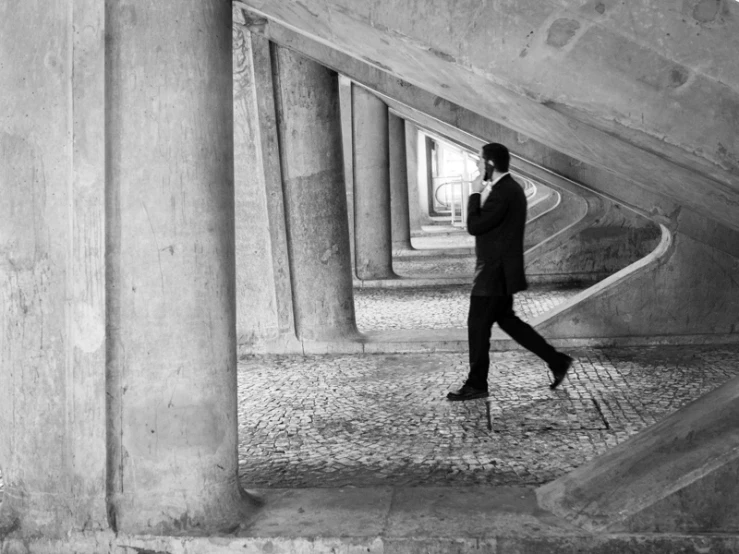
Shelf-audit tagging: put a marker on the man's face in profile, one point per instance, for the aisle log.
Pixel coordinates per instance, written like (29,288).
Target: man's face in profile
(481,165)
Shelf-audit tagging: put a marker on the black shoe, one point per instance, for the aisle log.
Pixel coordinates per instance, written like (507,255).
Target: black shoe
(466,393)
(560,369)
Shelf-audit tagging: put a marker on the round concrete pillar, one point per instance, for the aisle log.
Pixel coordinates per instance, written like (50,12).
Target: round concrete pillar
(400,214)
(307,99)
(371,162)
(170,268)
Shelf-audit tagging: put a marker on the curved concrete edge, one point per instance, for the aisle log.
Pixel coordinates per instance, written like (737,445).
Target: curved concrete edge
(545,205)
(654,258)
(573,215)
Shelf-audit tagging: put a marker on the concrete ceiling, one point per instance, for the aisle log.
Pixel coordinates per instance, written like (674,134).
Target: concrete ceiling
(649,90)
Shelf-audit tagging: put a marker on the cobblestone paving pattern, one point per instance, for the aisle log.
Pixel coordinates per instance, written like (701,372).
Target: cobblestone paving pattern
(334,421)
(443,307)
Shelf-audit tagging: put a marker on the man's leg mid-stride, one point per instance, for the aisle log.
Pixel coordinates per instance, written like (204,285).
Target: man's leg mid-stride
(526,336)
(484,312)
(482,315)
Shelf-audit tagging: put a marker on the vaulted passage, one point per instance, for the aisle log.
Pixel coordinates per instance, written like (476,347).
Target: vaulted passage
(234,270)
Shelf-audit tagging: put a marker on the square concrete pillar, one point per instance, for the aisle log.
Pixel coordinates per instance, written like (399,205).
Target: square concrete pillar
(309,125)
(401,228)
(264,304)
(52,269)
(371,165)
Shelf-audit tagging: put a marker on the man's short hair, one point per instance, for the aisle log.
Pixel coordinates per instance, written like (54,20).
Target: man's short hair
(498,154)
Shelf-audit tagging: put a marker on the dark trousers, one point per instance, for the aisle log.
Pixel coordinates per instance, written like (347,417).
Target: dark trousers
(484,312)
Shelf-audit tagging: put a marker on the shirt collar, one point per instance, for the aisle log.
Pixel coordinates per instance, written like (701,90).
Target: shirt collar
(499,177)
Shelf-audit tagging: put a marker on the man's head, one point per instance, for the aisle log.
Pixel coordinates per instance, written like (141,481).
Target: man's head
(497,155)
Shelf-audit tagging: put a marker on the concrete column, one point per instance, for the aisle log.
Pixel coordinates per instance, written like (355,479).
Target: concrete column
(345,103)
(52,269)
(264,305)
(414,194)
(371,161)
(401,227)
(423,157)
(170,261)
(307,96)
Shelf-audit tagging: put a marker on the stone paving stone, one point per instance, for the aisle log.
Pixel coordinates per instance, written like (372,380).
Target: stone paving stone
(333,421)
(443,307)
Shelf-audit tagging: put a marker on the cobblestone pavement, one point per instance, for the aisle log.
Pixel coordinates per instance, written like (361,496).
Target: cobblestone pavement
(443,307)
(333,421)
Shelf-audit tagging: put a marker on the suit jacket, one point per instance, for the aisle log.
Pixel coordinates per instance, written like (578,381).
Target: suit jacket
(498,226)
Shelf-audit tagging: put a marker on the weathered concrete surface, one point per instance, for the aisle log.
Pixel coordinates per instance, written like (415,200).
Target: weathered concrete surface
(371,166)
(683,289)
(309,126)
(595,81)
(52,268)
(171,356)
(388,520)
(679,475)
(559,209)
(644,194)
(544,200)
(607,239)
(264,305)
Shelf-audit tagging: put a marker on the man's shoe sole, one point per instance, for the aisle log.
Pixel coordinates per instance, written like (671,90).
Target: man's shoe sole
(463,397)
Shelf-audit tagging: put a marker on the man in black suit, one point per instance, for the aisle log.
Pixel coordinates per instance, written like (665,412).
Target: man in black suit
(496,216)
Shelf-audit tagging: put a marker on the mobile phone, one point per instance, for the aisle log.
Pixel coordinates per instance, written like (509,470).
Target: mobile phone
(488,172)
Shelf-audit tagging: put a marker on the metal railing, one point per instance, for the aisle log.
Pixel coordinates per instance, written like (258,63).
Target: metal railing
(452,194)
